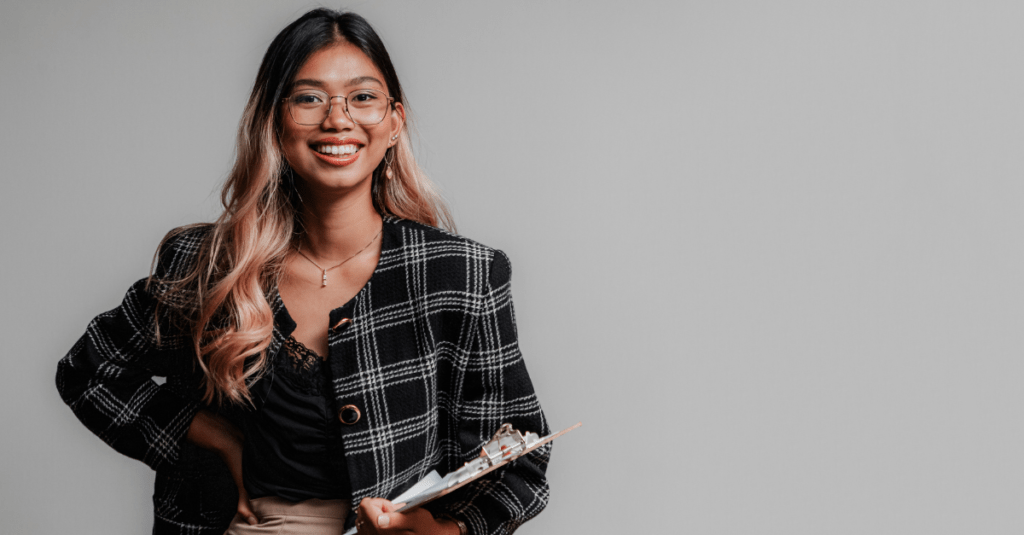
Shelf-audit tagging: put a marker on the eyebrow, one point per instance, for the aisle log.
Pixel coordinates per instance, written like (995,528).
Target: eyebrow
(364,79)
(306,81)
(354,81)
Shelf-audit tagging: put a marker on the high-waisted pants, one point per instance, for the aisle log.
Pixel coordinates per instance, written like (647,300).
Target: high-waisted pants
(282,517)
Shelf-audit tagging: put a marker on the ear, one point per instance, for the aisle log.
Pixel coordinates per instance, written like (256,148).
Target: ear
(397,120)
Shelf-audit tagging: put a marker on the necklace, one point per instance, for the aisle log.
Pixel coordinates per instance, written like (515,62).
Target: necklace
(325,270)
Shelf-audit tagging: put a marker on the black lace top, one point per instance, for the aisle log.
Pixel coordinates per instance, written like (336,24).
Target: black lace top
(293,441)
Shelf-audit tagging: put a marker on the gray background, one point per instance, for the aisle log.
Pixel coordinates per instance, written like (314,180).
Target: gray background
(768,252)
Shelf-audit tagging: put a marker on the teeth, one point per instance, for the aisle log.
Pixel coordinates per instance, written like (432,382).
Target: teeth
(336,150)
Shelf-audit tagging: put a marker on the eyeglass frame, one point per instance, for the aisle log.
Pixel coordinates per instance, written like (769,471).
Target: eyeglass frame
(330,106)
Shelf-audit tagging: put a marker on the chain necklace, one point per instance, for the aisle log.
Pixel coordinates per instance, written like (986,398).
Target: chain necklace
(325,270)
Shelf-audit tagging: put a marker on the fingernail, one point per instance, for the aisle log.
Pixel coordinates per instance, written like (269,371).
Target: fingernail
(383,521)
(252,521)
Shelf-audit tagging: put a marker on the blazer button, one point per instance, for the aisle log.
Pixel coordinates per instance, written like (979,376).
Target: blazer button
(342,321)
(349,414)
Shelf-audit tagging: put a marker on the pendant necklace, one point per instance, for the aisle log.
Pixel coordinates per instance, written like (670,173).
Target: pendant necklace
(325,270)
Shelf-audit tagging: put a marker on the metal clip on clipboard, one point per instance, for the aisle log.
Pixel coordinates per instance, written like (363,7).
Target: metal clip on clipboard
(505,446)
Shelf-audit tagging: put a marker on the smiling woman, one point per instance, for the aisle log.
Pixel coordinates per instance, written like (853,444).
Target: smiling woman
(310,140)
(326,344)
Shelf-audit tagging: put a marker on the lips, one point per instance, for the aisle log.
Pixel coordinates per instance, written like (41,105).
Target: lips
(337,151)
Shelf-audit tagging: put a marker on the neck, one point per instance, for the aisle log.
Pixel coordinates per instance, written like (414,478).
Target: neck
(337,226)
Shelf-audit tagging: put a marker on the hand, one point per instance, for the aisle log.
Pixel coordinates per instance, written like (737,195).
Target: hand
(215,433)
(377,516)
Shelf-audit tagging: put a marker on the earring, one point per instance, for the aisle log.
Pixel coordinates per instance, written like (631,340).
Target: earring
(394,137)
(389,157)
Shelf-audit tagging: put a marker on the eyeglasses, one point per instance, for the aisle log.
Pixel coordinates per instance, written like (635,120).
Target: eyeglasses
(311,107)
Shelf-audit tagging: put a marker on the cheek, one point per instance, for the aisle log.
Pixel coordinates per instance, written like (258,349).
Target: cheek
(291,144)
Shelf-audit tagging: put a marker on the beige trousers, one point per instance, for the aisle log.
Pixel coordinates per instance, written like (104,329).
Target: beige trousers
(282,517)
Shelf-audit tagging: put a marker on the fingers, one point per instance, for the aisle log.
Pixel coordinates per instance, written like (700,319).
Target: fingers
(245,507)
(245,511)
(389,507)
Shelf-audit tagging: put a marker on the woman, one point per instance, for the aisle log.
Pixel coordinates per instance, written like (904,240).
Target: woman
(324,344)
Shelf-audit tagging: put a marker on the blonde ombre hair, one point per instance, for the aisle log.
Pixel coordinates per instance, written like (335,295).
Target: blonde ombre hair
(241,259)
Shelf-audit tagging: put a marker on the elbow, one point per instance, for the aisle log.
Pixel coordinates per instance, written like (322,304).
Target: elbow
(69,384)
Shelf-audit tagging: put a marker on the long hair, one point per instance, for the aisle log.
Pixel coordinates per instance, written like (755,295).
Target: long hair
(242,257)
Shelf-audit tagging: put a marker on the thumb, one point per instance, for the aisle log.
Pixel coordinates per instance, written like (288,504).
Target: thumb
(245,509)
(384,520)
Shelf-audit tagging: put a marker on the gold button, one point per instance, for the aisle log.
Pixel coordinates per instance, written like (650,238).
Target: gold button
(342,321)
(349,414)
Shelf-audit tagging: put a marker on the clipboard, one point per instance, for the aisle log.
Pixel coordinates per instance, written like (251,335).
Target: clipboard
(505,446)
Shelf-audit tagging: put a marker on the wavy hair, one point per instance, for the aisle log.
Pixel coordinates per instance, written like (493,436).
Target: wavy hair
(242,256)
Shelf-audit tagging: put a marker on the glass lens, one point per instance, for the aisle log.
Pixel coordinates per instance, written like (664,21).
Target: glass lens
(309,107)
(367,106)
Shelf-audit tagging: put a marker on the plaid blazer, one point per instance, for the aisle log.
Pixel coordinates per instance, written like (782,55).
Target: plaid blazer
(430,358)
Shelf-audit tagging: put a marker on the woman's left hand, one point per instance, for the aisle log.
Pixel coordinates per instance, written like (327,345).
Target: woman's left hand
(377,516)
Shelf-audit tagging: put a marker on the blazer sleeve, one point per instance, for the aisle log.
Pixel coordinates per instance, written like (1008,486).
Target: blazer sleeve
(496,389)
(107,377)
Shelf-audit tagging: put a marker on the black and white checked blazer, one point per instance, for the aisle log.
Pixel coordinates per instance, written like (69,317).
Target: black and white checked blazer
(430,358)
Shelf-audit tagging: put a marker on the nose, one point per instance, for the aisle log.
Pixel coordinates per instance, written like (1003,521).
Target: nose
(336,118)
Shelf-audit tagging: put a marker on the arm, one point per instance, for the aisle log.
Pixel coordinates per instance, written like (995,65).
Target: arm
(215,433)
(106,378)
(492,388)
(496,389)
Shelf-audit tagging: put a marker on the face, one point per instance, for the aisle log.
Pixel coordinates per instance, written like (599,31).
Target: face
(338,155)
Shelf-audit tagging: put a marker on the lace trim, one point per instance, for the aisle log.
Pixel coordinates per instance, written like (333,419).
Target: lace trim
(302,358)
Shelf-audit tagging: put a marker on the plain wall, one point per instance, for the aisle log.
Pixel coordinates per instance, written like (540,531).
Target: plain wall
(768,252)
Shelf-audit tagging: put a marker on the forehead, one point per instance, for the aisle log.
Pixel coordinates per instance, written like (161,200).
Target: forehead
(338,66)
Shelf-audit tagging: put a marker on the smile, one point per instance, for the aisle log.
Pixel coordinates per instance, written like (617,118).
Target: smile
(338,150)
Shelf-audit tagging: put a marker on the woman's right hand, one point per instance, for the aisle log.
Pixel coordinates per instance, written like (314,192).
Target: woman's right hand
(215,433)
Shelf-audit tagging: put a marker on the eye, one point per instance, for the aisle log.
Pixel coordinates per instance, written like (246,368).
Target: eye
(308,99)
(365,96)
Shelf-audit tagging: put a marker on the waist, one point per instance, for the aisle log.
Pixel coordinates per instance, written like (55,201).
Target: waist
(274,506)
